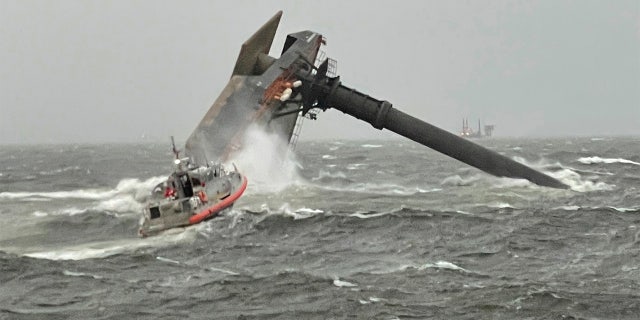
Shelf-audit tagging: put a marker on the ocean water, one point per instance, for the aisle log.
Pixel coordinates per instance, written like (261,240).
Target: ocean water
(343,229)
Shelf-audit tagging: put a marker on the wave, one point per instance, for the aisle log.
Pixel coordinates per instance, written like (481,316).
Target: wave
(81,274)
(59,171)
(441,264)
(370,215)
(600,173)
(597,160)
(122,204)
(605,208)
(327,177)
(575,181)
(127,197)
(90,194)
(356,166)
(286,211)
(341,283)
(404,212)
(568,176)
(500,205)
(338,181)
(372,300)
(386,189)
(568,208)
(97,250)
(497,182)
(135,187)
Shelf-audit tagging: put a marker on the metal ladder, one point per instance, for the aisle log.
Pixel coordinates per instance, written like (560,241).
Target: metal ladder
(332,71)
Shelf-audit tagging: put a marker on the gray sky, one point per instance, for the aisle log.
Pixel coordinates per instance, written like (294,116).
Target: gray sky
(113,71)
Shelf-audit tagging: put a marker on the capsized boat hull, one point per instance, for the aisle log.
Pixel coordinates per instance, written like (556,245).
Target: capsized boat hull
(190,197)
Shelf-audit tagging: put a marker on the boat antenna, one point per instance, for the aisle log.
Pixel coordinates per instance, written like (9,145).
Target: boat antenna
(176,152)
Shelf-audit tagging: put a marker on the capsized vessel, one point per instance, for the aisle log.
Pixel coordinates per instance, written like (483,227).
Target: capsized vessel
(275,94)
(190,195)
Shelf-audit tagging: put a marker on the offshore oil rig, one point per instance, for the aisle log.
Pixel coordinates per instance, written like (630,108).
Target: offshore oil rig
(277,93)
(467,132)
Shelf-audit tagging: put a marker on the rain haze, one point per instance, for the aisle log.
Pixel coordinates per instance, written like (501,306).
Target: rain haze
(135,71)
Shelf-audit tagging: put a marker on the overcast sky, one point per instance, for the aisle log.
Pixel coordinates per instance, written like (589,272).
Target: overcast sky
(118,71)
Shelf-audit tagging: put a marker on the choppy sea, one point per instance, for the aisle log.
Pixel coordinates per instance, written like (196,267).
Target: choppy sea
(347,229)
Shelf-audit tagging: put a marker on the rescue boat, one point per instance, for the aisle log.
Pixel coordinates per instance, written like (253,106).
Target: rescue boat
(191,194)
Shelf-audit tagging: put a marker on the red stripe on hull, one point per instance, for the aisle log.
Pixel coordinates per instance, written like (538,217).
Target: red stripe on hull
(226,202)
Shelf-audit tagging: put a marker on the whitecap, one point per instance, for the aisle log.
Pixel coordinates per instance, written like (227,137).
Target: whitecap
(500,205)
(163,259)
(457,180)
(285,210)
(325,174)
(588,186)
(355,166)
(595,160)
(442,265)
(368,216)
(603,173)
(309,210)
(57,171)
(576,183)
(384,189)
(223,271)
(568,208)
(624,209)
(77,254)
(40,214)
(123,204)
(329,157)
(71,211)
(302,213)
(90,194)
(371,146)
(125,186)
(513,183)
(80,274)
(371,300)
(341,283)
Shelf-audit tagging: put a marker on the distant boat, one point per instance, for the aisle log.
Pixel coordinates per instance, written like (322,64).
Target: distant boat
(467,132)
